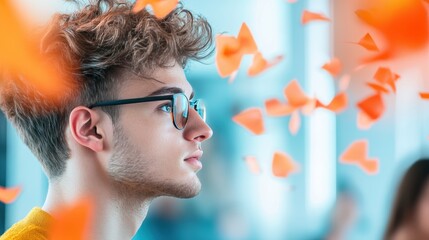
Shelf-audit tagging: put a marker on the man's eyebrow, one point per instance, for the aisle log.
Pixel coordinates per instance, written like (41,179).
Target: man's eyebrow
(171,90)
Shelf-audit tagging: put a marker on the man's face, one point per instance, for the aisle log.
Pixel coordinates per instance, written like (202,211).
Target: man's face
(150,154)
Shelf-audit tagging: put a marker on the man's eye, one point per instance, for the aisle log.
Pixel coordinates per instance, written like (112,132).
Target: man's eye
(167,108)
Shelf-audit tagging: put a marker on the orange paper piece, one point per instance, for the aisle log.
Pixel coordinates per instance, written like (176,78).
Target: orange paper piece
(333,67)
(260,64)
(275,108)
(377,87)
(294,123)
(230,50)
(344,83)
(19,55)
(368,43)
(72,222)
(364,122)
(402,23)
(251,119)
(294,94)
(9,195)
(308,108)
(386,77)
(372,106)
(283,165)
(161,8)
(338,103)
(357,153)
(424,95)
(253,164)
(308,16)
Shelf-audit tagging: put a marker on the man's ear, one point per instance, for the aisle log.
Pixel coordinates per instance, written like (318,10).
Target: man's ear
(85,128)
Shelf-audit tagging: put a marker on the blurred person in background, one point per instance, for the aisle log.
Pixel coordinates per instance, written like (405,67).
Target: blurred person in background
(409,218)
(130,131)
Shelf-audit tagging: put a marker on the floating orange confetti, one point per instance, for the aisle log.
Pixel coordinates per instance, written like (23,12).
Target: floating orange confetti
(230,50)
(403,24)
(275,108)
(9,195)
(338,103)
(344,83)
(294,94)
(333,67)
(294,123)
(368,43)
(161,8)
(372,106)
(283,165)
(253,164)
(20,56)
(251,119)
(364,122)
(424,95)
(72,221)
(308,16)
(260,64)
(386,76)
(377,87)
(357,153)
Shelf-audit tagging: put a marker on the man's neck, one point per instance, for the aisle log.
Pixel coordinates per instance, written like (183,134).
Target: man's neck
(116,215)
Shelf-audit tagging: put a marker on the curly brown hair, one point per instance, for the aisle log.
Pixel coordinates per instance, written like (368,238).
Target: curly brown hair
(93,45)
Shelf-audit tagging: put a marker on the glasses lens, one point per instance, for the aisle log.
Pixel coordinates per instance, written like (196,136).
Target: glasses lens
(180,110)
(200,108)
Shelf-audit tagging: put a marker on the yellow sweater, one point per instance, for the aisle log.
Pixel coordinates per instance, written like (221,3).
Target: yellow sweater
(34,226)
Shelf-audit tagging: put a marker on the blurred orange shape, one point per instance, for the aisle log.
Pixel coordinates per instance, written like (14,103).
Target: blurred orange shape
(373,106)
(363,121)
(161,8)
(283,165)
(368,43)
(247,42)
(377,87)
(369,166)
(275,108)
(344,83)
(308,16)
(402,23)
(308,108)
(356,152)
(230,50)
(338,103)
(253,164)
(386,76)
(294,123)
(251,119)
(19,55)
(333,67)
(424,95)
(73,221)
(294,94)
(228,55)
(260,64)
(9,195)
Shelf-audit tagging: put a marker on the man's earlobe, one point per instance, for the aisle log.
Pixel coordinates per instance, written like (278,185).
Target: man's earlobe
(84,127)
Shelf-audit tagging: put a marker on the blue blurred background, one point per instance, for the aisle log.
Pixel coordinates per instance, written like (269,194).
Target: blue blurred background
(324,195)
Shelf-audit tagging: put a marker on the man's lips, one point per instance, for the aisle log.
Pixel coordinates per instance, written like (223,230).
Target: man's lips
(196,155)
(194,160)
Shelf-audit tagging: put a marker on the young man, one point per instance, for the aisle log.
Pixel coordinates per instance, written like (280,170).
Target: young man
(129,131)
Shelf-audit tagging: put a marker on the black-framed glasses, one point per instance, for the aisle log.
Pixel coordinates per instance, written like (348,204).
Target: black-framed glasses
(179,102)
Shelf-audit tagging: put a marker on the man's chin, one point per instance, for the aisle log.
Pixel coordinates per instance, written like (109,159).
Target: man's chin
(186,190)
